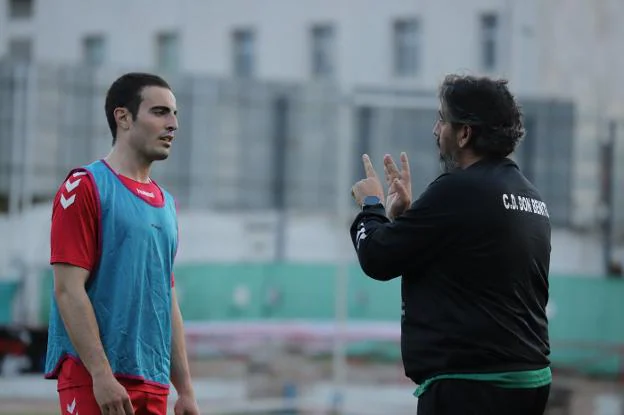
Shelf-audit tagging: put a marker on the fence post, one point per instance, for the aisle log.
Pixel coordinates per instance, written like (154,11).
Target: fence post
(606,197)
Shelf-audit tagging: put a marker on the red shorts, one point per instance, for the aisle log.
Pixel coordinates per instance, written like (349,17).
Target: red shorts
(80,400)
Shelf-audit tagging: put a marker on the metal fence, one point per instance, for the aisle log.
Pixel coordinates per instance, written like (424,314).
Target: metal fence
(241,145)
(250,145)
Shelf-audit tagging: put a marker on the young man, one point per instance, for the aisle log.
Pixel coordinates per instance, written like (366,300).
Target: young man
(473,252)
(116,338)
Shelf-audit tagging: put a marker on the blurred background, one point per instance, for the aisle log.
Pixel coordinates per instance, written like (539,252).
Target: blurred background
(278,99)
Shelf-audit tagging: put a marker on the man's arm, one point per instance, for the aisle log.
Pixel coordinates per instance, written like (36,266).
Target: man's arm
(79,318)
(387,249)
(180,373)
(73,243)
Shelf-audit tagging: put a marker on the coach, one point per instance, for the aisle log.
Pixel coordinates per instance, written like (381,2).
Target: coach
(473,252)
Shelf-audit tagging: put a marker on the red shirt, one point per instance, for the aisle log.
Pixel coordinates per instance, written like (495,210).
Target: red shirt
(74,240)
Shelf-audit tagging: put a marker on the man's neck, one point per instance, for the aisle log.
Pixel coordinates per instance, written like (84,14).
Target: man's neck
(468,159)
(124,161)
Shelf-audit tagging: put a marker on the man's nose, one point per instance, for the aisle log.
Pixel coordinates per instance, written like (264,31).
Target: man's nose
(436,129)
(172,123)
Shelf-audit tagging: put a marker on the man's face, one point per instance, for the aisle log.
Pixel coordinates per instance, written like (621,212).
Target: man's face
(446,138)
(153,131)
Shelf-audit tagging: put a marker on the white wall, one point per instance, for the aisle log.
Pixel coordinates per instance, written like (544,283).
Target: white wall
(364,35)
(557,48)
(591,66)
(560,47)
(581,58)
(130,28)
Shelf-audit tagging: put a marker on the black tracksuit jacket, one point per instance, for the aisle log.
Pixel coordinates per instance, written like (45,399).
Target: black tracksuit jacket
(473,253)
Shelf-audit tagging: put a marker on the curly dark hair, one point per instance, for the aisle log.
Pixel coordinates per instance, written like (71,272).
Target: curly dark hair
(487,106)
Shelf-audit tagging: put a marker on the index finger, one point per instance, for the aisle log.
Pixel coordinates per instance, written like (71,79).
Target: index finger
(391,166)
(368,166)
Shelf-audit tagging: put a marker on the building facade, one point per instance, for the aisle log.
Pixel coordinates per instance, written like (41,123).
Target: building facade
(558,51)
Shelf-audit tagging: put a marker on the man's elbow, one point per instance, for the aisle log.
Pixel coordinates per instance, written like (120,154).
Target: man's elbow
(60,290)
(64,292)
(378,270)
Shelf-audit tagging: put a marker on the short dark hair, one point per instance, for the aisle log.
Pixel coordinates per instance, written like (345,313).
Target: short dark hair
(487,106)
(126,92)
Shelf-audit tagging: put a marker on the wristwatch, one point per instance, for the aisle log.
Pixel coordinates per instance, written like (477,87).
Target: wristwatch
(371,201)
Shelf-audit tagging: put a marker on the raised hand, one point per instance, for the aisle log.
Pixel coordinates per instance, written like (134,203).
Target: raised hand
(399,186)
(370,186)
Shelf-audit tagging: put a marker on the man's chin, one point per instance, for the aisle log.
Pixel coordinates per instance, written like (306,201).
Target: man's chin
(447,164)
(162,154)
(442,162)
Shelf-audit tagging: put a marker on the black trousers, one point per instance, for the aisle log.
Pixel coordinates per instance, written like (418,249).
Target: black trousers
(469,397)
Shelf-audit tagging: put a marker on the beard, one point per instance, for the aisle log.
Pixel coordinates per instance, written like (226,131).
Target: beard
(448,159)
(448,163)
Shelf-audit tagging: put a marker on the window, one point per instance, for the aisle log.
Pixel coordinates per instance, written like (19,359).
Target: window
(20,49)
(489,41)
(243,53)
(406,47)
(167,52)
(94,50)
(21,9)
(322,51)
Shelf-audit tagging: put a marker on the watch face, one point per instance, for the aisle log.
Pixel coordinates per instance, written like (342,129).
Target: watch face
(371,200)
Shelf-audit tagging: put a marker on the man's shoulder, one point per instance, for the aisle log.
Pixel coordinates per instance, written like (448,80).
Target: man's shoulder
(466,184)
(74,178)
(456,178)
(81,170)
(446,189)
(76,190)
(485,174)
(95,166)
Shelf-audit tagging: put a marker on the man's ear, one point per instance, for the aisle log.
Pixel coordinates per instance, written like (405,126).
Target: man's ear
(465,134)
(123,118)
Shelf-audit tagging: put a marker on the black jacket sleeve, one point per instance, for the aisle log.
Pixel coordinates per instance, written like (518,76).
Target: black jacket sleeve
(387,249)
